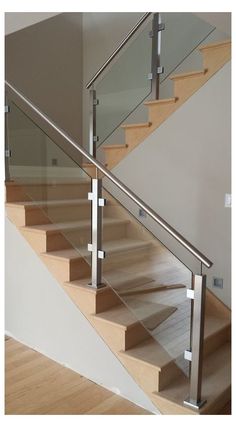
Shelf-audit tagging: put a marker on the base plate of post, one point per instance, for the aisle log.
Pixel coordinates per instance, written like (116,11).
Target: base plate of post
(101,285)
(194,405)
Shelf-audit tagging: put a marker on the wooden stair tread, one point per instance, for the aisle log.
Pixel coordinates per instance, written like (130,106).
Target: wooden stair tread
(189,74)
(215,45)
(71,225)
(149,352)
(161,101)
(115,146)
(136,125)
(216,380)
(47,203)
(32,181)
(112,246)
(83,284)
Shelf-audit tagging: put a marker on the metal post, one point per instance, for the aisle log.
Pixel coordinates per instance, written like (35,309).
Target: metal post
(7,149)
(195,356)
(96,234)
(156,68)
(92,122)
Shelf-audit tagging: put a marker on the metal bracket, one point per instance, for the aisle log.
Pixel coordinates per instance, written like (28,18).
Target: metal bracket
(160,27)
(160,70)
(7,153)
(95,138)
(101,254)
(188,355)
(7,108)
(190,293)
(101,202)
(96,102)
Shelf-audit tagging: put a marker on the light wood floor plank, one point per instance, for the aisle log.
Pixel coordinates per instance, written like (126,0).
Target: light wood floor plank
(37,385)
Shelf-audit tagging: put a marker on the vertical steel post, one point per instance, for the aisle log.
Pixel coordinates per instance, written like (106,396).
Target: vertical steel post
(96,233)
(7,149)
(197,294)
(92,123)
(156,68)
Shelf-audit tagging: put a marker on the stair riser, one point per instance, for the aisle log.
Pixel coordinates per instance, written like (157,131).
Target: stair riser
(118,338)
(46,192)
(83,236)
(212,343)
(146,376)
(215,58)
(41,242)
(133,136)
(21,217)
(66,271)
(92,303)
(158,113)
(185,87)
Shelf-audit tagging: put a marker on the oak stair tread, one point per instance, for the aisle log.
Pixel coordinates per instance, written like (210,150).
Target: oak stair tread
(216,381)
(83,284)
(115,146)
(136,125)
(110,247)
(48,181)
(161,101)
(188,74)
(44,203)
(121,317)
(71,225)
(215,45)
(151,353)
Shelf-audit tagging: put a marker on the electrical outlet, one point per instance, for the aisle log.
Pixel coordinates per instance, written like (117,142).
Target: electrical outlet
(228,200)
(217,282)
(142,213)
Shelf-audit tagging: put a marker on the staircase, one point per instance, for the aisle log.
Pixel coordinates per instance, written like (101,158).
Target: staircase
(61,245)
(140,307)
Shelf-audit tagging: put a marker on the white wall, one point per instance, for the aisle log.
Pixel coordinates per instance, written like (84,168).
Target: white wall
(41,315)
(182,170)
(15,21)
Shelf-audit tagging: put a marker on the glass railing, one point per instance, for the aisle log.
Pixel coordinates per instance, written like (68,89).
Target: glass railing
(125,84)
(150,282)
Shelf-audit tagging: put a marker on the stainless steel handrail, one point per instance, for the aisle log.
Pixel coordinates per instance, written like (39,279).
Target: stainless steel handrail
(117,182)
(119,47)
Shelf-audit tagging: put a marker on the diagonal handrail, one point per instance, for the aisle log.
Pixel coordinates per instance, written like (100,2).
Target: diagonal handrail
(157,218)
(119,47)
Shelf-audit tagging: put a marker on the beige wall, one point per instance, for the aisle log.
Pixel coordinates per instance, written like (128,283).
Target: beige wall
(44,61)
(182,170)
(15,21)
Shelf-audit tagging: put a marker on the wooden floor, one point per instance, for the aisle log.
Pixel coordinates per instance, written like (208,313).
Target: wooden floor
(37,385)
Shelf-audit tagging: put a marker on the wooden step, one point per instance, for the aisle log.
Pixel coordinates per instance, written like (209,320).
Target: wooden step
(115,147)
(47,211)
(68,264)
(215,386)
(161,101)
(216,332)
(151,364)
(89,299)
(53,189)
(215,55)
(120,327)
(50,237)
(136,125)
(190,74)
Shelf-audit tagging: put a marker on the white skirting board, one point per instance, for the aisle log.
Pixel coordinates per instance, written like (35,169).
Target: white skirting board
(40,315)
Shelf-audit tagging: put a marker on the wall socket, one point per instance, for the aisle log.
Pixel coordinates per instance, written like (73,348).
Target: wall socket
(228,200)
(217,282)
